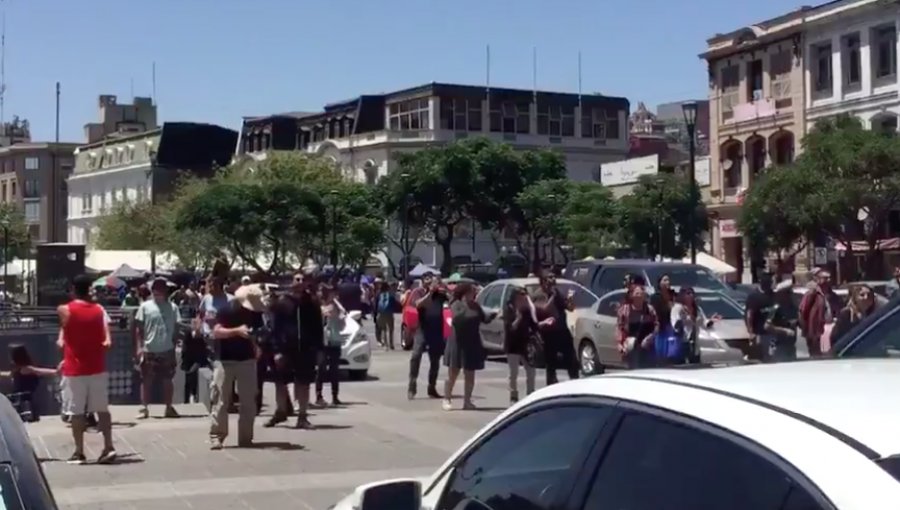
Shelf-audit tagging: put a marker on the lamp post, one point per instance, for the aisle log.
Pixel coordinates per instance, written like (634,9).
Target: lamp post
(404,229)
(552,198)
(334,253)
(689,109)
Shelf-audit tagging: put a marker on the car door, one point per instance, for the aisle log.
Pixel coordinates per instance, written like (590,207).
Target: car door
(690,466)
(604,333)
(529,461)
(491,299)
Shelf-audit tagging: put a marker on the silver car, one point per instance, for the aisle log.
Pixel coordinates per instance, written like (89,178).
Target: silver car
(721,341)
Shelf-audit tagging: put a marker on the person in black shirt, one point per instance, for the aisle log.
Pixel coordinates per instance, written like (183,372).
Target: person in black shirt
(429,336)
(235,339)
(757,311)
(298,332)
(782,324)
(558,341)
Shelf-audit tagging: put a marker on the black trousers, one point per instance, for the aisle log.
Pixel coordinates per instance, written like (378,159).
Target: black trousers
(435,349)
(328,367)
(559,351)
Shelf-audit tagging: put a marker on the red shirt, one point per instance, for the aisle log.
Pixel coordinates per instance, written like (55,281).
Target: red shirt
(83,336)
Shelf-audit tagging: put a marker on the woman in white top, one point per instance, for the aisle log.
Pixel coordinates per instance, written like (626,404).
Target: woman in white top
(685,317)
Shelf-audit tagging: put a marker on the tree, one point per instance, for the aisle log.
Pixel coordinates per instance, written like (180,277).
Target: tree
(659,213)
(401,229)
(592,219)
(540,208)
(353,222)
(17,243)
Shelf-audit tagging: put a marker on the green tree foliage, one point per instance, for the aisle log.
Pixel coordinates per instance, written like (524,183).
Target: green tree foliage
(658,215)
(14,226)
(592,219)
(541,208)
(354,223)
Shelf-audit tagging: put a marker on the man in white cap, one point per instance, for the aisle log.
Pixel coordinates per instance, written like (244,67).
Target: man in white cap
(236,346)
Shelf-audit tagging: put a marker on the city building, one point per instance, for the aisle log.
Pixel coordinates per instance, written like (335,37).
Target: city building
(143,166)
(851,64)
(756,119)
(15,131)
(671,115)
(33,179)
(117,119)
(644,122)
(361,135)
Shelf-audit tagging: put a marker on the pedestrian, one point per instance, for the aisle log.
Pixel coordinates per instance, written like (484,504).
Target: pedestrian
(520,328)
(155,340)
(235,335)
(558,341)
(329,358)
(818,309)
(131,299)
(386,305)
(684,322)
(861,305)
(429,336)
(464,351)
(26,378)
(757,311)
(196,354)
(636,327)
(781,325)
(85,339)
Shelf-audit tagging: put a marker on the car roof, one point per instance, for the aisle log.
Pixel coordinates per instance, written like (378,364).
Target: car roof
(631,263)
(533,280)
(9,418)
(851,397)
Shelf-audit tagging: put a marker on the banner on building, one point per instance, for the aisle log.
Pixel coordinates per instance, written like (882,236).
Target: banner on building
(728,229)
(628,171)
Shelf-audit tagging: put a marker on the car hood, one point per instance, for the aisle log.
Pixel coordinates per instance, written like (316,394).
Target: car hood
(346,503)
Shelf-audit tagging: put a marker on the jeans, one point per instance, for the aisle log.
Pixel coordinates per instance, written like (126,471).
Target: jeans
(513,361)
(384,327)
(559,344)
(435,349)
(225,374)
(329,361)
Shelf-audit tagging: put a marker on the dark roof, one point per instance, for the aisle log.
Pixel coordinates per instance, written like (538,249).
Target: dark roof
(286,115)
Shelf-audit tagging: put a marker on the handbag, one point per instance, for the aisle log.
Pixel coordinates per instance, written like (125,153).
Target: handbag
(534,350)
(669,346)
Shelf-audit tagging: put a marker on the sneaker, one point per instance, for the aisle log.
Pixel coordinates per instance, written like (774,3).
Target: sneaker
(171,413)
(303,423)
(320,402)
(275,420)
(215,443)
(468,406)
(336,402)
(447,405)
(143,413)
(77,459)
(107,457)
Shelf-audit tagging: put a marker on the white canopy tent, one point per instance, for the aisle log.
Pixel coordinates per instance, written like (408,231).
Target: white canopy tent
(719,267)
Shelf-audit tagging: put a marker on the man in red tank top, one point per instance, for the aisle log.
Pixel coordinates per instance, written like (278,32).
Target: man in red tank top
(84,335)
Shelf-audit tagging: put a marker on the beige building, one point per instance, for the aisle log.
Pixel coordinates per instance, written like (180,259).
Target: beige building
(119,119)
(756,108)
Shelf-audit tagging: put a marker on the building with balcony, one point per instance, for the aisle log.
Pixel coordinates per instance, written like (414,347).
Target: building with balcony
(756,118)
(362,134)
(121,119)
(33,179)
(851,64)
(144,166)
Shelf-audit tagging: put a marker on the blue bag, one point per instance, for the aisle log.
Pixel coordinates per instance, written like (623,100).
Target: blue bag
(669,346)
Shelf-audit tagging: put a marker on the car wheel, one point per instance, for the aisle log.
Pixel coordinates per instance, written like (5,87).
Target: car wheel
(406,340)
(588,359)
(358,375)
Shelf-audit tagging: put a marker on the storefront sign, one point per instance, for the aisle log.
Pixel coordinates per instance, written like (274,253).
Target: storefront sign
(728,229)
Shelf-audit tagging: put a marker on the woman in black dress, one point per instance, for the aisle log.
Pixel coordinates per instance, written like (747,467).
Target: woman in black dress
(464,349)
(520,327)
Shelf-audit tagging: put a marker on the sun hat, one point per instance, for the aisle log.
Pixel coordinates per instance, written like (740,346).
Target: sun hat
(253,298)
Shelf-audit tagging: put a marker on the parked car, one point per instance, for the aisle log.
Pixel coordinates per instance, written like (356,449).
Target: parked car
(495,296)
(409,323)
(876,336)
(356,351)
(723,341)
(604,276)
(747,437)
(22,481)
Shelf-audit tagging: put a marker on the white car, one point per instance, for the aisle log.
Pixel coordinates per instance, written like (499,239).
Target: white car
(356,352)
(811,435)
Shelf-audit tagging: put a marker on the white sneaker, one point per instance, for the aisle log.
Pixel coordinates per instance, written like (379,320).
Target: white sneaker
(447,405)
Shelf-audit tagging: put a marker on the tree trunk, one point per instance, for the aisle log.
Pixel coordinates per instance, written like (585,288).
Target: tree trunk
(535,254)
(447,263)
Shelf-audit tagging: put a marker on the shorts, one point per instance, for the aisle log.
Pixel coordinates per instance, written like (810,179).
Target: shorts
(85,394)
(159,364)
(304,365)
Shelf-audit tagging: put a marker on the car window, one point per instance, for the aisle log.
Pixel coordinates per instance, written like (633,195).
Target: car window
(717,304)
(610,303)
(9,493)
(611,279)
(582,298)
(490,297)
(878,341)
(697,277)
(527,463)
(684,469)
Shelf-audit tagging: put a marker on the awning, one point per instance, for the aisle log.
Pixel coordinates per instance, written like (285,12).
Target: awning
(422,269)
(719,267)
(889,244)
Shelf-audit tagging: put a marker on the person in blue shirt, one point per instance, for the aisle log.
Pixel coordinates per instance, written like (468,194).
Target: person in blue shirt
(386,305)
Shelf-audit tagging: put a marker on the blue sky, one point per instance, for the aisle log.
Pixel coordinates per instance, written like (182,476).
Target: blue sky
(218,60)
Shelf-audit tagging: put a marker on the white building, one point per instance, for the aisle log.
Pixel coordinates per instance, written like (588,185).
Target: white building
(851,62)
(139,167)
(364,133)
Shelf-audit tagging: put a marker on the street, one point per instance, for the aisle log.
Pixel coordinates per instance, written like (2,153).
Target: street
(167,463)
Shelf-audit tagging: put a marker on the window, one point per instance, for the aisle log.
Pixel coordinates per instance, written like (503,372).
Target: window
(9,493)
(461,114)
(511,117)
(102,201)
(410,115)
(730,83)
(877,338)
(3,193)
(612,278)
(780,79)
(822,68)
(678,458)
(583,298)
(32,164)
(610,303)
(32,211)
(32,189)
(556,120)
(13,189)
(491,296)
(755,80)
(851,63)
(884,51)
(687,276)
(528,463)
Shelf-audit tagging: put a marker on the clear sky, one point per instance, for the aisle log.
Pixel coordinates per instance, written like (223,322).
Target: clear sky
(218,60)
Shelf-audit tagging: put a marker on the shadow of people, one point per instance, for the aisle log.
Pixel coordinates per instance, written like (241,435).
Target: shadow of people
(272,445)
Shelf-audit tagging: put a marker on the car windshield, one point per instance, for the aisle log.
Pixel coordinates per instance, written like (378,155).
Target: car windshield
(717,304)
(9,494)
(686,276)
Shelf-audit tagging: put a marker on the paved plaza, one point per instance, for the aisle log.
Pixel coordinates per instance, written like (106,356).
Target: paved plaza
(167,463)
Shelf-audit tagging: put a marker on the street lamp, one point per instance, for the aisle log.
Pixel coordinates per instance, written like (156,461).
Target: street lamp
(334,253)
(689,108)
(404,228)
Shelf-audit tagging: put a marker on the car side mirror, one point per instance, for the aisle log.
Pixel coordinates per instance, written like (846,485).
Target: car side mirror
(355,315)
(400,494)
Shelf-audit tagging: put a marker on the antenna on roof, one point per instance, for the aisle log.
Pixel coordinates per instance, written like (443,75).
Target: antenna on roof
(153,91)
(131,88)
